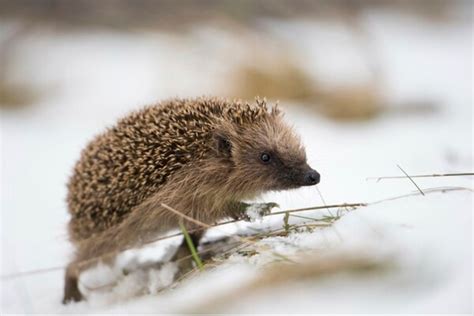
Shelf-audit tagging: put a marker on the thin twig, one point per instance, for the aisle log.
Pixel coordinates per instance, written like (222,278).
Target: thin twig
(318,208)
(435,175)
(427,191)
(324,203)
(189,219)
(413,181)
(19,274)
(304,217)
(344,205)
(26,273)
(195,221)
(322,199)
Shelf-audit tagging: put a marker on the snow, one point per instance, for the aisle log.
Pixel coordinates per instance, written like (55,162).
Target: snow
(96,76)
(256,211)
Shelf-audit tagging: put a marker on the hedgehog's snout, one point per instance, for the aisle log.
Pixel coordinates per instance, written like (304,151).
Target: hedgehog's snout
(311,177)
(299,176)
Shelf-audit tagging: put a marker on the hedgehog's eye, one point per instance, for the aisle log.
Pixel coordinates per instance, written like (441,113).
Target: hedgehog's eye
(225,145)
(265,157)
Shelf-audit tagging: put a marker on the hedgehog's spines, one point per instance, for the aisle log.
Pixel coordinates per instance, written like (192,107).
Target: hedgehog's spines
(131,160)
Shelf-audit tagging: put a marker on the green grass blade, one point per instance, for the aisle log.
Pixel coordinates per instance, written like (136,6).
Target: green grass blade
(192,247)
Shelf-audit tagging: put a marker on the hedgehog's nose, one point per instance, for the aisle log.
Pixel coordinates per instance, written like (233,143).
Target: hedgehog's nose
(312,177)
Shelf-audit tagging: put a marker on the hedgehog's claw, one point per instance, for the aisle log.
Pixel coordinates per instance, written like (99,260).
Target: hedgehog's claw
(258,210)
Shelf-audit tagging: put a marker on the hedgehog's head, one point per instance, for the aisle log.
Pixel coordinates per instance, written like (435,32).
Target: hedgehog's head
(264,154)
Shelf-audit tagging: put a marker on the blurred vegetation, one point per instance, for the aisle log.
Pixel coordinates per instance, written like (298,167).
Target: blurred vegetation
(298,270)
(284,79)
(14,93)
(176,14)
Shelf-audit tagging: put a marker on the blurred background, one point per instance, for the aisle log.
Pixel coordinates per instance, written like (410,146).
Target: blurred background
(368,85)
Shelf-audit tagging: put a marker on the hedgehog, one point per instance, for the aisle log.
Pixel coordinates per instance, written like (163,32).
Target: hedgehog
(201,156)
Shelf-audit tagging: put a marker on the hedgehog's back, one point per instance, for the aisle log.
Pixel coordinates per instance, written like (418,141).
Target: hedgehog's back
(125,165)
(131,161)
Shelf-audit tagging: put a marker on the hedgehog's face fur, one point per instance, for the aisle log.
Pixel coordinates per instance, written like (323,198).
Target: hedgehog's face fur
(265,156)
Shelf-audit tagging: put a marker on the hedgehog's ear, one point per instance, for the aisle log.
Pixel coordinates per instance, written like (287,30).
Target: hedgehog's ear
(222,144)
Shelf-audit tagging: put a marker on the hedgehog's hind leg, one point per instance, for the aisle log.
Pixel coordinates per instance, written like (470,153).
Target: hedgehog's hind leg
(71,285)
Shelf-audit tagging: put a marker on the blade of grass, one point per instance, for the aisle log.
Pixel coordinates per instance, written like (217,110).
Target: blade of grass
(322,199)
(286,226)
(413,181)
(191,246)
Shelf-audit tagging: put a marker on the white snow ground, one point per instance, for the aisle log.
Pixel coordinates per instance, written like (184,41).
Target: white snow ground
(97,76)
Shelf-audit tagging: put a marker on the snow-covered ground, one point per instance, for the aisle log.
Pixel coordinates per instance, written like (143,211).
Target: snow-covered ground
(94,77)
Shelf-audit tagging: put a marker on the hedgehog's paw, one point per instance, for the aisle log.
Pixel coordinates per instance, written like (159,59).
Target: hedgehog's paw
(71,291)
(257,211)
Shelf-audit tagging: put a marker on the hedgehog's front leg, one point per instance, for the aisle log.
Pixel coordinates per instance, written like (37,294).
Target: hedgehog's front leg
(249,212)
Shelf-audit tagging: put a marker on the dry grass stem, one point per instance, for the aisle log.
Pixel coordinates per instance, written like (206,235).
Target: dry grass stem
(414,183)
(195,221)
(352,205)
(327,220)
(322,199)
(426,191)
(435,175)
